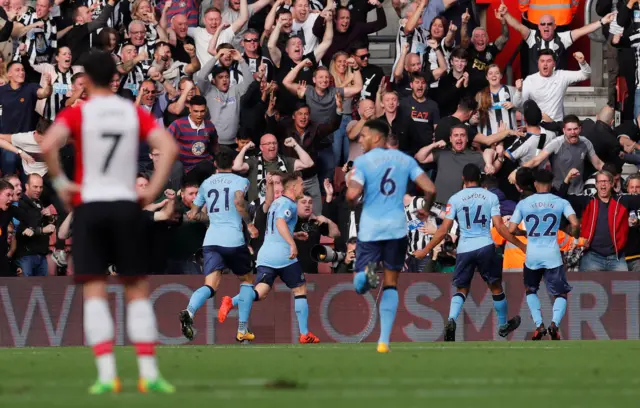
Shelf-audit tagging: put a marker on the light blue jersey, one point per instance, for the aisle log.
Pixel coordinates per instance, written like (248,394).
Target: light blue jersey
(473,207)
(275,251)
(542,214)
(384,173)
(217,193)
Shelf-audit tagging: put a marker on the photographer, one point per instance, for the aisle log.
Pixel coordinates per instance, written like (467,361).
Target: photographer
(314,226)
(34,231)
(346,264)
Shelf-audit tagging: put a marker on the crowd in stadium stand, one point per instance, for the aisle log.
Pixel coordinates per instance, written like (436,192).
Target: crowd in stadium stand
(287,85)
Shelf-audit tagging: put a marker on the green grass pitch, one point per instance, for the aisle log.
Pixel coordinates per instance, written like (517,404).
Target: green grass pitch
(490,374)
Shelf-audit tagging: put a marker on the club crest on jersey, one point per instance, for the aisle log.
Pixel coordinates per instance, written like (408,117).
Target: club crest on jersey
(198,148)
(448,209)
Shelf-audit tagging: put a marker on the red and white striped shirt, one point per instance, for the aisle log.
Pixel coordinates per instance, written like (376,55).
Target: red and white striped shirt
(106,132)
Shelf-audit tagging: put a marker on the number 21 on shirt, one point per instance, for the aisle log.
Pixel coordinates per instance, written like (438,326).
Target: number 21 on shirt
(216,196)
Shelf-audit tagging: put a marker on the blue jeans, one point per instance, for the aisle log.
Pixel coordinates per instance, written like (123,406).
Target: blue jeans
(341,142)
(591,261)
(325,166)
(33,265)
(8,162)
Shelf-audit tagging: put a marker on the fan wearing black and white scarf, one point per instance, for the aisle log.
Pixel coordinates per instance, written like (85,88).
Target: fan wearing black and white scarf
(261,178)
(257,167)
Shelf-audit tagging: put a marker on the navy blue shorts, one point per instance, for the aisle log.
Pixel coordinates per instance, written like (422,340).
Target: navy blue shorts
(390,252)
(484,259)
(554,278)
(217,258)
(291,275)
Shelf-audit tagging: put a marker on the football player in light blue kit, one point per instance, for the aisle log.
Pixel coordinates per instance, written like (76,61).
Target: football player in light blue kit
(542,213)
(380,176)
(278,255)
(224,244)
(475,208)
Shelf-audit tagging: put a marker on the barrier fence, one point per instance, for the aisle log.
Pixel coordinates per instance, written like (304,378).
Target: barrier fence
(48,311)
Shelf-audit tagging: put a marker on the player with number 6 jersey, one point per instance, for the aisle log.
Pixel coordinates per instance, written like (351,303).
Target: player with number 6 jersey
(475,208)
(222,198)
(379,178)
(106,132)
(542,213)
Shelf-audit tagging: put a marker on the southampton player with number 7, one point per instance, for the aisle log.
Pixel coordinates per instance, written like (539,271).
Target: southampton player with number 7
(542,213)
(474,208)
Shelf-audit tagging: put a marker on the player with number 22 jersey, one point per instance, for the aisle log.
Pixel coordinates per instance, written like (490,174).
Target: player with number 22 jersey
(542,213)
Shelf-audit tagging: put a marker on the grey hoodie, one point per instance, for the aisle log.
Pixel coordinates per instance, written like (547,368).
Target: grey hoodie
(224,107)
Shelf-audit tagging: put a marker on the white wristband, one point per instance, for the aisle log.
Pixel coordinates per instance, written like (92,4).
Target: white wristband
(60,182)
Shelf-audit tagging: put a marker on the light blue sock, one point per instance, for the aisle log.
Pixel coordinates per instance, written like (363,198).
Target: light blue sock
(388,307)
(559,307)
(360,283)
(534,307)
(456,305)
(235,300)
(302,313)
(246,296)
(198,298)
(500,304)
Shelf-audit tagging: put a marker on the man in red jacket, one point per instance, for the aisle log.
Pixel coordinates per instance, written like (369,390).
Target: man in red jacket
(605,223)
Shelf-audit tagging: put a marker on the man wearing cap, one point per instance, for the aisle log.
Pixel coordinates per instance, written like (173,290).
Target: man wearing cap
(223,101)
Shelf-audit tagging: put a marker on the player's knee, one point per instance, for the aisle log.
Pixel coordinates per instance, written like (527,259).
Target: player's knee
(499,297)
(300,291)
(531,292)
(94,288)
(562,295)
(261,291)
(248,278)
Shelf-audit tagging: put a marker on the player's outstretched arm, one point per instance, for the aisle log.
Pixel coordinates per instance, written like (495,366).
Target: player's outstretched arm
(506,233)
(437,238)
(424,182)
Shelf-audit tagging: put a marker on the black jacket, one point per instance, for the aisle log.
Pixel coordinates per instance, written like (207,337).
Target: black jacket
(30,214)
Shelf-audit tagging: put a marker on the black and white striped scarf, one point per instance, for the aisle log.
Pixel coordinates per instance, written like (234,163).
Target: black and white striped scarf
(261,179)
